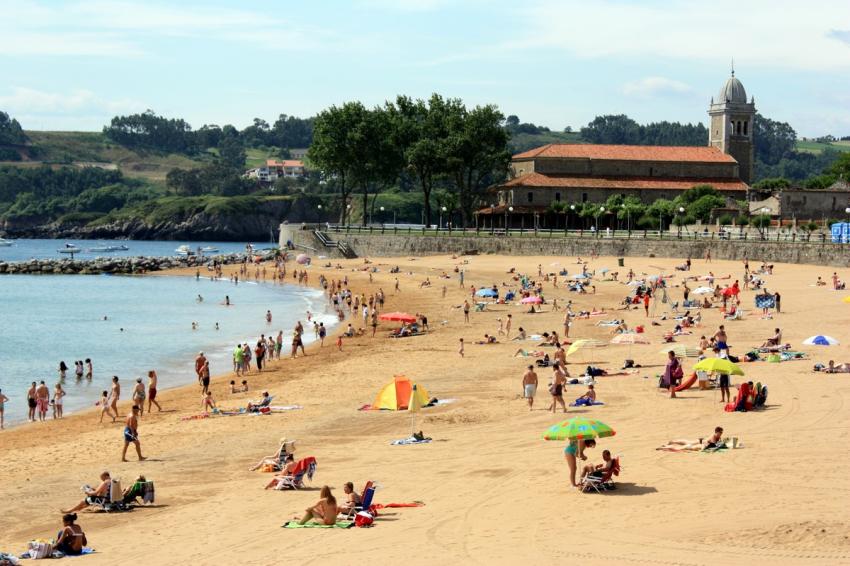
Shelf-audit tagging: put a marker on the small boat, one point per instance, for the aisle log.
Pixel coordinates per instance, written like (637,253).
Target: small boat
(184,250)
(121,248)
(70,249)
(4,243)
(210,250)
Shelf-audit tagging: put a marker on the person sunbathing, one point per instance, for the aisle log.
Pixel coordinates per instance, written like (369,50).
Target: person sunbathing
(713,442)
(521,335)
(278,460)
(264,402)
(71,539)
(324,511)
(94,496)
(589,398)
(488,340)
(839,368)
(776,340)
(352,499)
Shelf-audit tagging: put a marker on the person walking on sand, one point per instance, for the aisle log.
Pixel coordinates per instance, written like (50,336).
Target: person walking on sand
(131,434)
(3,401)
(508,326)
(646,303)
(466,311)
(114,396)
(529,386)
(199,364)
(460,348)
(556,389)
(721,340)
(139,395)
(672,373)
(396,285)
(42,400)
(152,380)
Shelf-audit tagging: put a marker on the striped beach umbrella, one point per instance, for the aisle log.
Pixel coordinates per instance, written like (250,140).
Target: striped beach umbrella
(578,428)
(584,344)
(630,338)
(820,340)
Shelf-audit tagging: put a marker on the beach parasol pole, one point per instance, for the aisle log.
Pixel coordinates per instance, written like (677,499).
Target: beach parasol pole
(413,408)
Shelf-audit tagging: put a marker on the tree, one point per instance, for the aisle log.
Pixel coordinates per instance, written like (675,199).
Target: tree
(152,132)
(773,140)
(10,131)
(292,132)
(257,134)
(422,130)
(477,153)
(332,149)
(231,152)
(612,129)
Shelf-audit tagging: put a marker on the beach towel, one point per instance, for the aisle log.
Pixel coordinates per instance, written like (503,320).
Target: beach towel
(585,403)
(380,506)
(313,525)
(608,323)
(411,440)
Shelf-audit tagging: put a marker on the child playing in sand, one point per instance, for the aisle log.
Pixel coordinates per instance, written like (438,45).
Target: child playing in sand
(339,343)
(460,349)
(208,402)
(103,404)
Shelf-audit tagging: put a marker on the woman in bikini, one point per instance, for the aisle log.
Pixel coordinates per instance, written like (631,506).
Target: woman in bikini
(573,451)
(324,511)
(71,538)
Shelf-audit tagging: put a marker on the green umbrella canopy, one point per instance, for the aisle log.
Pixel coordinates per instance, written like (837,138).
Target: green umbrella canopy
(578,428)
(719,365)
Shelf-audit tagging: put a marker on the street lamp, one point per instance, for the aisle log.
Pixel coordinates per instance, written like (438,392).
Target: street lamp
(442,210)
(382,214)
(601,210)
(573,210)
(348,214)
(508,218)
(681,211)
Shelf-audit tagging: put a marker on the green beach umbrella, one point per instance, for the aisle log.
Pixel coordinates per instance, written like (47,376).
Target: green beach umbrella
(578,428)
(719,365)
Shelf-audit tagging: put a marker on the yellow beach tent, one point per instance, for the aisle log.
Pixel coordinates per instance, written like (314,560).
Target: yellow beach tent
(397,395)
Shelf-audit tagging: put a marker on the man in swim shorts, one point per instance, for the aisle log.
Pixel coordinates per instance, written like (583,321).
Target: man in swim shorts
(131,434)
(529,386)
(152,382)
(31,404)
(42,400)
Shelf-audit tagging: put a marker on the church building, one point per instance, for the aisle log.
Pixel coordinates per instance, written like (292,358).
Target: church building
(578,173)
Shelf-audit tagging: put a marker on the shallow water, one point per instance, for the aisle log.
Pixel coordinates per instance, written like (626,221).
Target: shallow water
(46,319)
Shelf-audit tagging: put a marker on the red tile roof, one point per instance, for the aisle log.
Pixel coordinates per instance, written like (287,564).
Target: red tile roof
(628,153)
(614,183)
(284,163)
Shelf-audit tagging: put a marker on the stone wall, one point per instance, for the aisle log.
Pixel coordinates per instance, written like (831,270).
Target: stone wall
(389,245)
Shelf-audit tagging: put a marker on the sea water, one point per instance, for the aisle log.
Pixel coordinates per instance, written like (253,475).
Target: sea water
(25,249)
(128,325)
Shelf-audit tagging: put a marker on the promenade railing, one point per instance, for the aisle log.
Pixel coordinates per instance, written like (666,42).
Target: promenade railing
(435,232)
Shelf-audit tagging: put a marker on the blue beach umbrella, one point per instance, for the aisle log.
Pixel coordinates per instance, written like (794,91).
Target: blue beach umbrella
(820,340)
(486,293)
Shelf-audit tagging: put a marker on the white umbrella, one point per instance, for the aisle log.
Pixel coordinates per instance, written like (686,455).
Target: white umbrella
(702,291)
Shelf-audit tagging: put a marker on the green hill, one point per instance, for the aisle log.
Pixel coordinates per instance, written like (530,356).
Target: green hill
(810,146)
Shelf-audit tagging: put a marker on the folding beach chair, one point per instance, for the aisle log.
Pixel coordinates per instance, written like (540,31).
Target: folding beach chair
(143,489)
(303,468)
(114,499)
(603,482)
(365,500)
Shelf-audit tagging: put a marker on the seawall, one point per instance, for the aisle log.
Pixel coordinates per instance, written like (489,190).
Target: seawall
(118,265)
(388,245)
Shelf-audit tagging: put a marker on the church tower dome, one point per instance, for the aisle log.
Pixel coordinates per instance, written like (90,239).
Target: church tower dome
(732,92)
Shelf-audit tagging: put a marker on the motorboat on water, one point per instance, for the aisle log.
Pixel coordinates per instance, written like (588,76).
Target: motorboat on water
(184,250)
(4,243)
(119,248)
(210,250)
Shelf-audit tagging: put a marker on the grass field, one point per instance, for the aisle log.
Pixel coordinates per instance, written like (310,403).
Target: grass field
(94,147)
(818,147)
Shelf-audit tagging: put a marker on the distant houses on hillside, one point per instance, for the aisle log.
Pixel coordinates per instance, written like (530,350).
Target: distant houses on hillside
(274,169)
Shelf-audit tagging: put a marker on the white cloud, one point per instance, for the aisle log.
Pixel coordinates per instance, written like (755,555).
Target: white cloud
(28,101)
(656,86)
(767,33)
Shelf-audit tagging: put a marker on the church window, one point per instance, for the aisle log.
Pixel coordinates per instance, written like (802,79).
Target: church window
(739,128)
(557,197)
(530,196)
(745,127)
(650,171)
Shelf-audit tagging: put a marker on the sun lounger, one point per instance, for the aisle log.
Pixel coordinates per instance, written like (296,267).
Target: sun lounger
(114,499)
(303,468)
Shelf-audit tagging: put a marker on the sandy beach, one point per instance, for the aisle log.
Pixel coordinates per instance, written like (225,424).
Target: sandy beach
(493,490)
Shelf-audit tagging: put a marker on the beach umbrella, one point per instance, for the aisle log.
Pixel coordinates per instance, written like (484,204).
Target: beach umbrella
(729,291)
(302,259)
(702,291)
(820,340)
(583,344)
(846,299)
(580,276)
(719,365)
(604,270)
(578,428)
(486,293)
(531,301)
(398,317)
(682,351)
(630,338)
(635,283)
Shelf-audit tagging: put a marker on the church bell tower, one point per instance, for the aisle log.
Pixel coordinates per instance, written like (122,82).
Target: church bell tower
(731,128)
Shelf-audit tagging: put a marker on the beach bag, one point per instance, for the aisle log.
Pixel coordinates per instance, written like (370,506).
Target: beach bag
(678,373)
(39,549)
(363,519)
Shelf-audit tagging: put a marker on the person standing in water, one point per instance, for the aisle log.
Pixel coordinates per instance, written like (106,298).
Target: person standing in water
(3,400)
(31,403)
(114,396)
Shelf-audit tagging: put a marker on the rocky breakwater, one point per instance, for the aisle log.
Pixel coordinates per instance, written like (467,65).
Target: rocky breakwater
(116,265)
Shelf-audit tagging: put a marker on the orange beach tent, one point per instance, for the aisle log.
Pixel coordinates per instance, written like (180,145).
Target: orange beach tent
(396,396)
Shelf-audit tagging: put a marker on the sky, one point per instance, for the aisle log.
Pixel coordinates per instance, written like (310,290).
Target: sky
(72,65)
